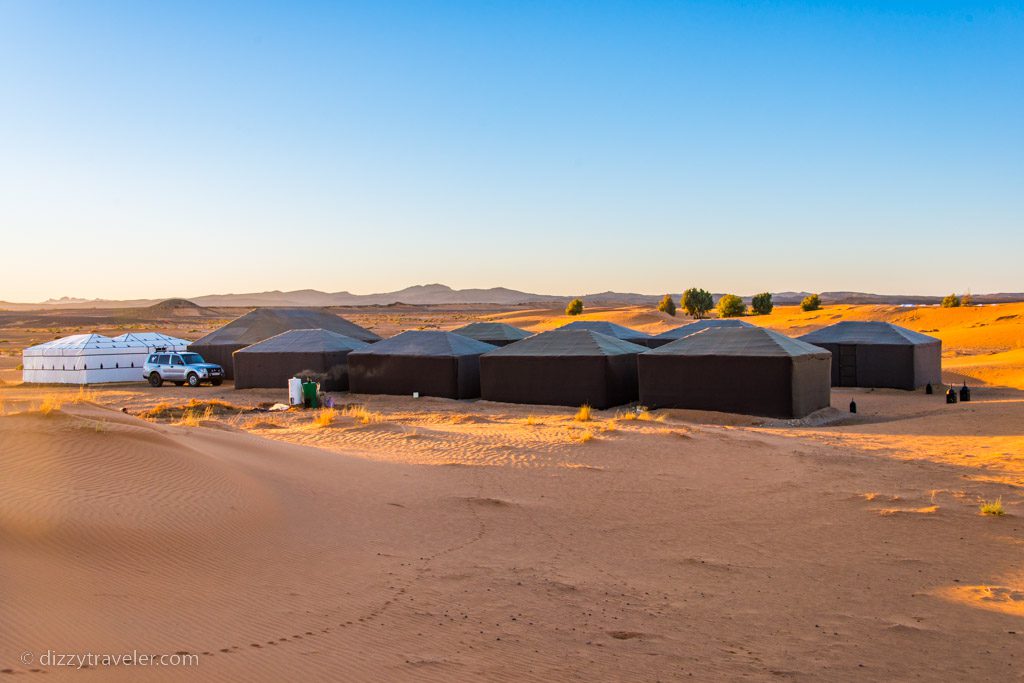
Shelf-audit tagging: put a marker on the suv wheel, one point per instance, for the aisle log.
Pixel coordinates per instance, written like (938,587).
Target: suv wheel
(155,379)
(216,382)
(193,379)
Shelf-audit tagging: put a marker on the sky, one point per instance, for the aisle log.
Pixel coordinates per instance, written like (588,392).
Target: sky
(164,149)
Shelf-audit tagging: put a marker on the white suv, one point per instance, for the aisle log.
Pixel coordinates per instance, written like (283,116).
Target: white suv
(181,368)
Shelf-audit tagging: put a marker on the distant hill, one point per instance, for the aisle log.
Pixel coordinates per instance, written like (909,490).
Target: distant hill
(438,294)
(177,308)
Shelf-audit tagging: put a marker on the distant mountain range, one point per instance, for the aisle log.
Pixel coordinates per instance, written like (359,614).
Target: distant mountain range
(437,294)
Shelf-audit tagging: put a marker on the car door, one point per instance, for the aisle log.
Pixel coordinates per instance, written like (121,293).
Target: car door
(176,372)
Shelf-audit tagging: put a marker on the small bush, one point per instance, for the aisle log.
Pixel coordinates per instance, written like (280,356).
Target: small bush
(731,306)
(951,301)
(811,302)
(993,507)
(575,307)
(583,414)
(324,418)
(967,300)
(762,304)
(20,366)
(532,420)
(697,302)
(667,305)
(192,417)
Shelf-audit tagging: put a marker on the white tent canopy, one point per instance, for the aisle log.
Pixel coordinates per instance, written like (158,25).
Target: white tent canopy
(93,358)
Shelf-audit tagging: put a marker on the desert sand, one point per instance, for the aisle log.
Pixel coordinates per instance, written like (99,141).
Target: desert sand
(444,540)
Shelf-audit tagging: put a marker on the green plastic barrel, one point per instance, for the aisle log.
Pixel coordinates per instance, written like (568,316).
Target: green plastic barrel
(309,391)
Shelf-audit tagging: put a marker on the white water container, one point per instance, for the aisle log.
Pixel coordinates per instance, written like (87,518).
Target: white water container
(295,391)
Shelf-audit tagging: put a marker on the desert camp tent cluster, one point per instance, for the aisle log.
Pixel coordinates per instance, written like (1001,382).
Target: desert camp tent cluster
(319,355)
(879,355)
(93,358)
(264,323)
(721,365)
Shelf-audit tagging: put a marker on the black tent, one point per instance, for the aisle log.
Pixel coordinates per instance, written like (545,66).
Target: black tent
(749,370)
(430,362)
(321,355)
(567,367)
(879,354)
(264,323)
(692,328)
(610,330)
(498,334)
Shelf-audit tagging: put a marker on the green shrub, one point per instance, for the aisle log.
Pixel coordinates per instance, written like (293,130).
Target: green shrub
(575,307)
(811,302)
(667,305)
(762,304)
(697,302)
(731,306)
(951,301)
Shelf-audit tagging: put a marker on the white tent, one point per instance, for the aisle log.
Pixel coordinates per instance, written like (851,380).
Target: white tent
(93,358)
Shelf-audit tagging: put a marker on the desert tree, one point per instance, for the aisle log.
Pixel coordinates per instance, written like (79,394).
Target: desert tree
(762,304)
(667,305)
(575,307)
(697,302)
(951,301)
(731,306)
(811,302)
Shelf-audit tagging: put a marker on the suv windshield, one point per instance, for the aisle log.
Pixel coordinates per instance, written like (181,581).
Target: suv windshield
(192,358)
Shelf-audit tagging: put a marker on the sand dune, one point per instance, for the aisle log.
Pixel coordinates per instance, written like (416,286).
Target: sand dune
(452,541)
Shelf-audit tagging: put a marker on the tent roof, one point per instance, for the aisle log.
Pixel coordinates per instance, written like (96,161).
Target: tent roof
(305,341)
(152,339)
(263,323)
(866,332)
(698,325)
(427,343)
(569,342)
(738,341)
(606,328)
(497,331)
(82,342)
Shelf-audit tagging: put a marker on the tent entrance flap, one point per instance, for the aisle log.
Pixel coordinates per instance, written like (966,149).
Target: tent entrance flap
(847,365)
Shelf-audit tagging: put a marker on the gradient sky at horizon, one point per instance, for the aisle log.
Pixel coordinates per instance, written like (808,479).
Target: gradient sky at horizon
(179,149)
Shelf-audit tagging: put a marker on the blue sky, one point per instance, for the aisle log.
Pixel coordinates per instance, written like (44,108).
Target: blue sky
(158,149)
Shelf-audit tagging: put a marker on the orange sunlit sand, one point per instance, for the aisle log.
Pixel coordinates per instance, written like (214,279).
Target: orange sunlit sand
(429,539)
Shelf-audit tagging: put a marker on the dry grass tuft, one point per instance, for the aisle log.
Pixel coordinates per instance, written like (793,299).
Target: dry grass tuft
(324,418)
(50,404)
(208,409)
(532,420)
(584,414)
(993,507)
(194,416)
(585,436)
(610,426)
(642,415)
(84,396)
(362,415)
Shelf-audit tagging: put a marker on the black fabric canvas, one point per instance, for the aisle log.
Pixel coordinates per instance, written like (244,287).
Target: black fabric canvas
(610,330)
(320,355)
(568,367)
(497,334)
(263,323)
(692,328)
(429,362)
(749,370)
(879,355)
